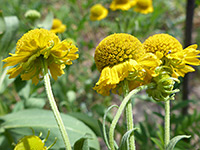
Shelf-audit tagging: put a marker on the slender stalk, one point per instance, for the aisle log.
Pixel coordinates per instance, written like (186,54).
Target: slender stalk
(167,122)
(129,116)
(54,107)
(119,112)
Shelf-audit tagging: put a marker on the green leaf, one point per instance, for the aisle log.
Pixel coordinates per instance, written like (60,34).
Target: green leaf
(34,102)
(2,24)
(18,124)
(81,144)
(173,141)
(125,140)
(12,24)
(104,125)
(89,121)
(158,143)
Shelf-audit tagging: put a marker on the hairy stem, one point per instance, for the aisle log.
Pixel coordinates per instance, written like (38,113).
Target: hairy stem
(119,112)
(54,107)
(129,116)
(167,122)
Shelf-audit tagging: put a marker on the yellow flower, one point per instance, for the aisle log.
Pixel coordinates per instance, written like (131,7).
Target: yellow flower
(121,56)
(36,46)
(58,27)
(98,12)
(122,4)
(144,6)
(30,142)
(172,54)
(33,142)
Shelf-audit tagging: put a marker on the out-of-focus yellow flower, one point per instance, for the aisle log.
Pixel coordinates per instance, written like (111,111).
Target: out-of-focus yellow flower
(30,142)
(172,54)
(122,4)
(121,56)
(33,142)
(98,12)
(57,26)
(33,49)
(144,6)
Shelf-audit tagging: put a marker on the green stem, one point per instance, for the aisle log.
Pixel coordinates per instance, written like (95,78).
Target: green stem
(119,112)
(54,107)
(167,122)
(129,116)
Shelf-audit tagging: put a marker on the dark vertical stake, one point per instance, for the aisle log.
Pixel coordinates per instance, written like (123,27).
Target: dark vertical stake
(188,39)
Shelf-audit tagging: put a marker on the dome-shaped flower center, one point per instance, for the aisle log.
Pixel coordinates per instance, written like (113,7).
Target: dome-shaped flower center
(117,48)
(36,40)
(97,10)
(143,3)
(163,43)
(121,1)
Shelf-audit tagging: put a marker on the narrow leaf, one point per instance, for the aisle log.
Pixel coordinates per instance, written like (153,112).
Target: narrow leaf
(158,143)
(104,125)
(125,140)
(173,141)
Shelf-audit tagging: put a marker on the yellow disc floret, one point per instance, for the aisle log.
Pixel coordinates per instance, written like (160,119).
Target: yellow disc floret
(33,49)
(172,54)
(98,12)
(119,57)
(163,43)
(115,49)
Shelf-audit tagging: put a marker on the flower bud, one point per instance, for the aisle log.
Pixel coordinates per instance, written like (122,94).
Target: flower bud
(162,85)
(32,14)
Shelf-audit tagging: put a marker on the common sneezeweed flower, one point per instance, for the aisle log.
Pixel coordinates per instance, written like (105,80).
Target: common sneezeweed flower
(58,26)
(38,45)
(175,62)
(122,4)
(172,54)
(144,6)
(121,56)
(98,12)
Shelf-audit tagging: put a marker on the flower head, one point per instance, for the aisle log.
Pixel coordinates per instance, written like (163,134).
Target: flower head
(172,54)
(121,56)
(57,26)
(98,12)
(144,6)
(122,4)
(33,142)
(36,46)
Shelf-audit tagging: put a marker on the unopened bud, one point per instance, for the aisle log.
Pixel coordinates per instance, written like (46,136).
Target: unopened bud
(32,14)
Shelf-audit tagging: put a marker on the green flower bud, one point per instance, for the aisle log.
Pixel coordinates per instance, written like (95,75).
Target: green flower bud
(32,14)
(162,85)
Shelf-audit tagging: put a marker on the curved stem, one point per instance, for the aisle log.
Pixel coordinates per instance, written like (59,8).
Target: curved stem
(119,112)
(167,122)
(54,107)
(129,116)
